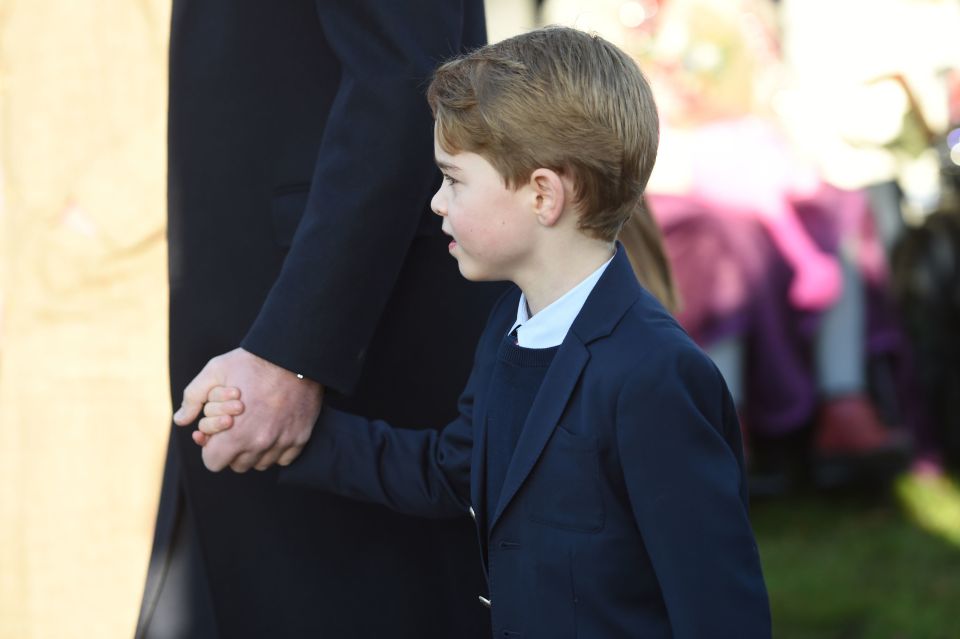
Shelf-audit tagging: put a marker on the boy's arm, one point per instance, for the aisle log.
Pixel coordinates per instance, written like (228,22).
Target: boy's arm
(679,446)
(415,472)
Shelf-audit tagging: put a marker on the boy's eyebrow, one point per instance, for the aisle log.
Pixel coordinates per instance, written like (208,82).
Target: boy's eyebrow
(444,166)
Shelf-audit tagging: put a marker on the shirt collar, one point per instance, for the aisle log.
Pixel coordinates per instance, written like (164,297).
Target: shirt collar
(549,327)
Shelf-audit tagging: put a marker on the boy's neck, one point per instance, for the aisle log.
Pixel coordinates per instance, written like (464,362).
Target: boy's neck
(558,270)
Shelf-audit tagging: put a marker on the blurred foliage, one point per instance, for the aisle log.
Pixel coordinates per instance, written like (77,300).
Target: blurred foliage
(883,565)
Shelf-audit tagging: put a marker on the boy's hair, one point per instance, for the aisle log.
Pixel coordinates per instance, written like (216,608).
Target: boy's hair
(556,98)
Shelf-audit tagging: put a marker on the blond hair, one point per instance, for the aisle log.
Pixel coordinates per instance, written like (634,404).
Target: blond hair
(643,243)
(555,98)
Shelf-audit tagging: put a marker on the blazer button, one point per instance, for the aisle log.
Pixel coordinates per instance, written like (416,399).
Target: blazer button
(473,514)
(486,602)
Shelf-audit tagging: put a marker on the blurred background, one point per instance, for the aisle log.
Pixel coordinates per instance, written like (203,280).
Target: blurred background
(807,191)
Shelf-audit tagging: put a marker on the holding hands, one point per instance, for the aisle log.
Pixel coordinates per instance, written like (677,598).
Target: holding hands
(270,426)
(222,405)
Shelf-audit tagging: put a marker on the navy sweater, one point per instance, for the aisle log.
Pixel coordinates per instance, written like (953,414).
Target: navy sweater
(515,380)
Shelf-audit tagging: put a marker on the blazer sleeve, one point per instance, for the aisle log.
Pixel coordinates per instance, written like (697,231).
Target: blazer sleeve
(371,186)
(679,446)
(415,472)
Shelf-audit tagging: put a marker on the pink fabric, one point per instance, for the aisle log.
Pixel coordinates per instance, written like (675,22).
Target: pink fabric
(744,166)
(733,282)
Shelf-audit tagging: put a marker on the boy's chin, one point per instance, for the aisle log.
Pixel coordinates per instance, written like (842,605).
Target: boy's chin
(469,275)
(474,274)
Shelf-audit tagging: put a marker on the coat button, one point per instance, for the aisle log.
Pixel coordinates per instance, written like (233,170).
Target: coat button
(473,514)
(486,602)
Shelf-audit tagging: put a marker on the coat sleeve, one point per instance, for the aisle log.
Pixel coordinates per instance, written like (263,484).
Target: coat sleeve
(421,472)
(415,472)
(371,187)
(680,450)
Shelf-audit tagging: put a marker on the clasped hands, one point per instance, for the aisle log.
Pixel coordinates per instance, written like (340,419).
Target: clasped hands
(270,425)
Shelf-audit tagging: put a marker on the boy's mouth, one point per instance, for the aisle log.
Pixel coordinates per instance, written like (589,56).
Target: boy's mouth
(453,240)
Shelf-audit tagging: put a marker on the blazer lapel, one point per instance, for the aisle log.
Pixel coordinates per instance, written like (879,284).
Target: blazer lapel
(478,479)
(615,292)
(555,391)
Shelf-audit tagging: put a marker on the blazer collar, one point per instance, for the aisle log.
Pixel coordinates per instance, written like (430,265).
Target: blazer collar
(616,292)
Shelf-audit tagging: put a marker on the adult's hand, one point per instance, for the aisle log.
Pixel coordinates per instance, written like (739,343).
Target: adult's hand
(280,410)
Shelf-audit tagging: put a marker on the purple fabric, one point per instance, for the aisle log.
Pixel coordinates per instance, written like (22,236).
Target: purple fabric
(836,215)
(733,282)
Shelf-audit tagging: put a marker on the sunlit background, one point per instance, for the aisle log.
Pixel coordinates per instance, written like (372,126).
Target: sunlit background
(806,188)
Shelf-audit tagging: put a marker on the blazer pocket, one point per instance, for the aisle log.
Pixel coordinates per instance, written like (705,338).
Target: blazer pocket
(564,490)
(286,209)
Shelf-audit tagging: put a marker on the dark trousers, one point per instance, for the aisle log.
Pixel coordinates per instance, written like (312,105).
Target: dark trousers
(183,609)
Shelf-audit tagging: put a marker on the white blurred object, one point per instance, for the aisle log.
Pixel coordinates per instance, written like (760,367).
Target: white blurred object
(612,19)
(869,92)
(506,18)
(920,182)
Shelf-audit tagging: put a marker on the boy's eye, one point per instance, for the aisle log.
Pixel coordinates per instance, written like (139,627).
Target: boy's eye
(449,180)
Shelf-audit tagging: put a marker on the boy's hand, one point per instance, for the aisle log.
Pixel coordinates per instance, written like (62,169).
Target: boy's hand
(222,405)
(280,409)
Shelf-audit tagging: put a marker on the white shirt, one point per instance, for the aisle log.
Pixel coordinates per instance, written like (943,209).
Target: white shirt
(547,328)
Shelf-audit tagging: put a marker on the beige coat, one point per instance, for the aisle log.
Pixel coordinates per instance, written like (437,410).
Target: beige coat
(83,398)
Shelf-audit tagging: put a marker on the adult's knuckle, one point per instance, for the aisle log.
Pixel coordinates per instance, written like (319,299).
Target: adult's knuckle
(302,438)
(263,440)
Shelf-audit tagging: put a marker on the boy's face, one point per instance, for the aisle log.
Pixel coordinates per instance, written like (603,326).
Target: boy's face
(492,226)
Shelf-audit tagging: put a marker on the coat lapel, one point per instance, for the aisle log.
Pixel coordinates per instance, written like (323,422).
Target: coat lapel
(558,385)
(615,292)
(478,478)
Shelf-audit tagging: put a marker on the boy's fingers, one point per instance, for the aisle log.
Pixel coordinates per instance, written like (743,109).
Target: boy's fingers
(214,425)
(195,394)
(223,394)
(231,407)
(199,438)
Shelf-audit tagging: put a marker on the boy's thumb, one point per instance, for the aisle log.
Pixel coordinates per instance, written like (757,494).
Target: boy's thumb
(195,395)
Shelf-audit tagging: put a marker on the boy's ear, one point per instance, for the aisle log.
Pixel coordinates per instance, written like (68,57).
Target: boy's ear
(550,196)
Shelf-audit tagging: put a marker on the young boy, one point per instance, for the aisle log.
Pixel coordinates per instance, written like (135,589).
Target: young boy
(597,447)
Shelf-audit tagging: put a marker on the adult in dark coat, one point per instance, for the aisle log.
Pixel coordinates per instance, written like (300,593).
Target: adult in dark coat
(300,174)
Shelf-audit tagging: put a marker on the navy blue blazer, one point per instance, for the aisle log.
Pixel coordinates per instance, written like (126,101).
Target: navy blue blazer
(624,508)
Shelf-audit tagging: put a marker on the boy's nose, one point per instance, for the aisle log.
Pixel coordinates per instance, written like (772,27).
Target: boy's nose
(437,203)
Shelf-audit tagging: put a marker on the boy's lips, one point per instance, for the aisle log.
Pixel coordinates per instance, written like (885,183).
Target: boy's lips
(453,240)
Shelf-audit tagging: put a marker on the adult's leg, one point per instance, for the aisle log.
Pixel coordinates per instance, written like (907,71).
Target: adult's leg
(182,608)
(887,213)
(839,350)
(176,598)
(727,354)
(849,433)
